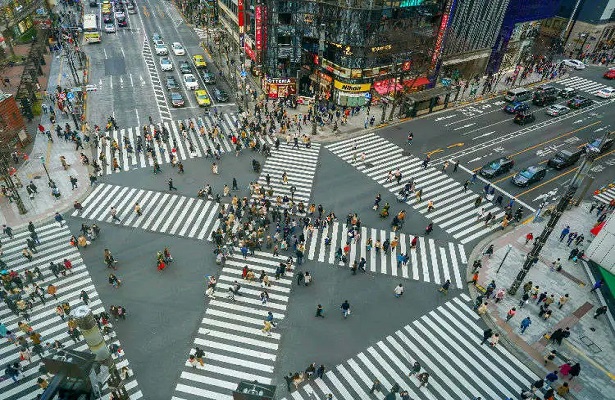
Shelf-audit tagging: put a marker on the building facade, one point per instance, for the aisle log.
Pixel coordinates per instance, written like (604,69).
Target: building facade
(12,125)
(592,27)
(370,46)
(17,17)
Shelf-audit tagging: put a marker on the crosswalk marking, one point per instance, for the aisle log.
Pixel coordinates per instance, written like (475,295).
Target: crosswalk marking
(446,342)
(582,84)
(431,260)
(162,152)
(454,209)
(606,196)
(230,333)
(300,167)
(161,212)
(54,247)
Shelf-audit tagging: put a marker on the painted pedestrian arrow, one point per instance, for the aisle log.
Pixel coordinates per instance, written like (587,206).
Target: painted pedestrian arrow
(446,343)
(161,212)
(54,248)
(454,211)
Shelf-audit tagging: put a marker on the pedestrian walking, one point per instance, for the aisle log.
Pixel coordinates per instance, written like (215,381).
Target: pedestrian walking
(596,286)
(445,286)
(600,311)
(171,187)
(376,386)
(399,290)
(527,321)
(199,354)
(84,297)
(564,233)
(563,300)
(345,307)
(138,209)
(550,379)
(495,339)
(550,356)
(113,213)
(320,311)
(59,219)
(511,313)
(487,333)
(575,370)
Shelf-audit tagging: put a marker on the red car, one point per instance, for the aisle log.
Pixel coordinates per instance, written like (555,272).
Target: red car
(610,74)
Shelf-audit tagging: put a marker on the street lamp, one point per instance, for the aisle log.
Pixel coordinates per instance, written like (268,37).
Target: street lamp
(46,171)
(504,259)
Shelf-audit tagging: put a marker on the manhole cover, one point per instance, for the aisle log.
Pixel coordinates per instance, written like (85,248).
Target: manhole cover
(368,165)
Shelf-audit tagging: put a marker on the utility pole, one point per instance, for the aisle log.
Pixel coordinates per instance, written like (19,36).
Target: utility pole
(242,52)
(321,50)
(5,175)
(565,200)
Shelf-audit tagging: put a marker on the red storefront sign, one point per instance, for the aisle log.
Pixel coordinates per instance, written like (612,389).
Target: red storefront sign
(276,88)
(249,51)
(258,21)
(441,31)
(240,14)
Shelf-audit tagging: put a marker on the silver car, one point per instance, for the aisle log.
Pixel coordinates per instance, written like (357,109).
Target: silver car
(556,110)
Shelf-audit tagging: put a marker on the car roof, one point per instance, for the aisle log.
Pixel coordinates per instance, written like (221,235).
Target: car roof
(535,168)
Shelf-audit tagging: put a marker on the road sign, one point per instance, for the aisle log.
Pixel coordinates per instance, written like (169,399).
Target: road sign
(70,95)
(368,95)
(62,96)
(244,74)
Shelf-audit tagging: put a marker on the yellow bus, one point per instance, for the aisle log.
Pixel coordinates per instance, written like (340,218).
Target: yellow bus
(91,30)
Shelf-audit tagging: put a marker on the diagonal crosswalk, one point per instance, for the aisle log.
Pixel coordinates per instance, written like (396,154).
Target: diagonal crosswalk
(606,195)
(429,261)
(161,212)
(230,333)
(582,84)
(298,164)
(209,132)
(454,209)
(446,343)
(54,247)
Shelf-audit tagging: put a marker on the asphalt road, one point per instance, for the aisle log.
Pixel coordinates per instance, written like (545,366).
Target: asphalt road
(482,132)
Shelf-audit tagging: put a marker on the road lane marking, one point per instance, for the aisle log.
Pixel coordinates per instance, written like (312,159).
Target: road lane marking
(555,138)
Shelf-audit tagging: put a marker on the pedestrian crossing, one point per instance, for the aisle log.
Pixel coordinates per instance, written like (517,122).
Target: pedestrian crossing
(54,248)
(454,209)
(235,347)
(582,84)
(446,343)
(429,261)
(606,195)
(300,168)
(193,143)
(161,212)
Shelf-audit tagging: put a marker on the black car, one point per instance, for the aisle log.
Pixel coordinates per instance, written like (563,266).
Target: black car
(524,118)
(596,145)
(565,158)
(544,98)
(568,92)
(579,102)
(529,175)
(184,67)
(497,167)
(93,3)
(171,82)
(209,78)
(220,95)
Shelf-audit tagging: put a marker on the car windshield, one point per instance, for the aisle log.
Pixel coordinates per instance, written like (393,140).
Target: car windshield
(494,165)
(527,174)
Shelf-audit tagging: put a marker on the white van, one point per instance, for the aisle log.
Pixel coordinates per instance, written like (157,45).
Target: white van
(518,94)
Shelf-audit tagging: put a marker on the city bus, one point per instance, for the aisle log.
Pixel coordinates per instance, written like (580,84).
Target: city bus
(91,30)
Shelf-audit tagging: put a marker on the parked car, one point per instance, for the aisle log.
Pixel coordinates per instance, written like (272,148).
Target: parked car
(524,118)
(166,64)
(497,167)
(565,158)
(171,82)
(576,64)
(220,95)
(605,93)
(579,102)
(178,49)
(529,175)
(202,98)
(568,92)
(176,99)
(556,110)
(190,82)
(516,107)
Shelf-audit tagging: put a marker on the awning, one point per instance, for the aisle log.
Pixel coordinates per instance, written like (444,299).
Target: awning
(416,82)
(387,86)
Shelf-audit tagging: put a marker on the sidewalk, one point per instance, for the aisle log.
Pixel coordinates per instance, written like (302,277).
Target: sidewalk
(591,341)
(44,205)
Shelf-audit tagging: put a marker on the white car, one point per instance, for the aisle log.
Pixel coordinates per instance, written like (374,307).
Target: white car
(110,28)
(166,64)
(191,82)
(606,93)
(178,49)
(576,64)
(556,110)
(161,49)
(158,41)
(119,14)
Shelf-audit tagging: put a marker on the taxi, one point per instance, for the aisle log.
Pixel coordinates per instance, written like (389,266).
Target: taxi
(202,98)
(199,61)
